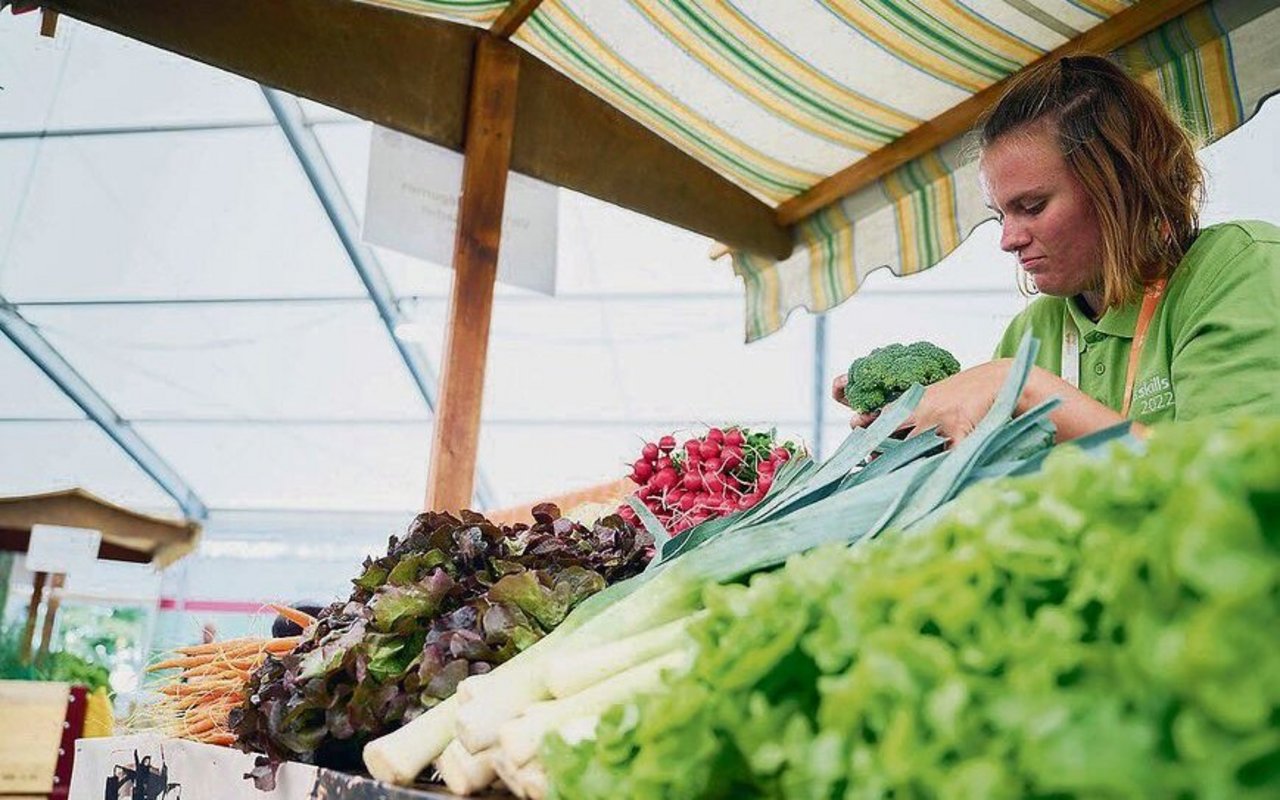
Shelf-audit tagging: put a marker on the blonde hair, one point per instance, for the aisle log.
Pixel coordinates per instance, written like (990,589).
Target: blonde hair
(1136,163)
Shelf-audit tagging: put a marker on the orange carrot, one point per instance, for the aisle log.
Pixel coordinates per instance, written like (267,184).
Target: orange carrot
(193,727)
(220,739)
(231,666)
(231,698)
(201,687)
(213,647)
(283,645)
(299,618)
(182,662)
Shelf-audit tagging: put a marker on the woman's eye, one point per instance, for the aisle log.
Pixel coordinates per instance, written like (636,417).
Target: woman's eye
(1034,208)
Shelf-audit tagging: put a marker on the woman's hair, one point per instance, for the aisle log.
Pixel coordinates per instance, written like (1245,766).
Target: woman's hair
(1137,164)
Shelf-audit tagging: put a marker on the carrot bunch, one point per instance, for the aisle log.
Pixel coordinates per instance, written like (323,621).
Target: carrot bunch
(212,680)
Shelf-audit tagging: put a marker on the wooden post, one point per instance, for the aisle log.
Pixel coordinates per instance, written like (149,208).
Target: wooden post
(512,17)
(51,613)
(48,22)
(490,125)
(33,610)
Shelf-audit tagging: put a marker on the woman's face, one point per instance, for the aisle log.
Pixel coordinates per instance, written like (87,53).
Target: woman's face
(1048,220)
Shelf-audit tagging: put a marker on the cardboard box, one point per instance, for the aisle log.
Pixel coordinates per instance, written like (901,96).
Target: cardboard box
(160,768)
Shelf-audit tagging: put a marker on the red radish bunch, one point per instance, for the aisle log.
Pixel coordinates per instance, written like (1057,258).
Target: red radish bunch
(705,477)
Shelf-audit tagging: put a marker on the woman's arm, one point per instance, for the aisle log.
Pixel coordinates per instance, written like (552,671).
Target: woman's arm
(1078,414)
(957,404)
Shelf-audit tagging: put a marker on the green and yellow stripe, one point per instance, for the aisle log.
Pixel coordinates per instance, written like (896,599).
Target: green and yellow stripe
(945,40)
(735,49)
(763,294)
(557,34)
(1188,61)
(923,195)
(828,238)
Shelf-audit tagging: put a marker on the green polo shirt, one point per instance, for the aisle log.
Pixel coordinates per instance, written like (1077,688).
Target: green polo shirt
(1213,345)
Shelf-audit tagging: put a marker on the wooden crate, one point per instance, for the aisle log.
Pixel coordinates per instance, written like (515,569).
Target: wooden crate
(35,717)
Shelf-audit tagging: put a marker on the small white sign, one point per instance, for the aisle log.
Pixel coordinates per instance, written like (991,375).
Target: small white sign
(412,207)
(54,548)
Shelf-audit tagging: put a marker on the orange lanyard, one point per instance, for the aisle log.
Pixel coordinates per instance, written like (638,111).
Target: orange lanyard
(1150,299)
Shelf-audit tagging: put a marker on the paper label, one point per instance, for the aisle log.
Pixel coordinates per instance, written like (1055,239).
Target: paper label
(412,208)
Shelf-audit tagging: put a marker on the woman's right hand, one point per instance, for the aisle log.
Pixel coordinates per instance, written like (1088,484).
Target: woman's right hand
(858,420)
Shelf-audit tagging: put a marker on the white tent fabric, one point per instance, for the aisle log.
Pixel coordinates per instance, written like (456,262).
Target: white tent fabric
(157,230)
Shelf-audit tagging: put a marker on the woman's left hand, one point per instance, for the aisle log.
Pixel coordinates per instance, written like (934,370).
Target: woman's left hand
(956,405)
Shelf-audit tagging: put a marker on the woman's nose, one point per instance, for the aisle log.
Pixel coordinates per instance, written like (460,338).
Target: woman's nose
(1013,236)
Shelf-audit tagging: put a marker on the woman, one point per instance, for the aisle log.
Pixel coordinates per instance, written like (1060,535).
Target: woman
(1097,189)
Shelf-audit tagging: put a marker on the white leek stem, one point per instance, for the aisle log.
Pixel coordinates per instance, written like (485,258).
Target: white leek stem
(522,681)
(399,756)
(468,688)
(533,780)
(463,772)
(593,666)
(478,720)
(520,738)
(508,772)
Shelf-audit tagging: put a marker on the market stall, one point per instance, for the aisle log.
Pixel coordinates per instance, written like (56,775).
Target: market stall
(44,718)
(588,660)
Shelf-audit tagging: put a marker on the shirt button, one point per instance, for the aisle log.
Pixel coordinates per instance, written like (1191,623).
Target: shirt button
(1093,337)
(1099,369)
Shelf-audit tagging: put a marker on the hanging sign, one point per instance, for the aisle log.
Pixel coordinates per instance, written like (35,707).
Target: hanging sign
(55,548)
(412,207)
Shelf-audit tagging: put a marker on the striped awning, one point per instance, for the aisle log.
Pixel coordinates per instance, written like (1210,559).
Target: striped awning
(778,96)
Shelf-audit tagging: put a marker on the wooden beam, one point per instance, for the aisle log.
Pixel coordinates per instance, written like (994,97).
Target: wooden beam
(512,17)
(33,611)
(412,73)
(490,127)
(1119,30)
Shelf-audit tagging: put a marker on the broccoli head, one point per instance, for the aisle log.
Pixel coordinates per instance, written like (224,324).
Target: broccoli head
(878,378)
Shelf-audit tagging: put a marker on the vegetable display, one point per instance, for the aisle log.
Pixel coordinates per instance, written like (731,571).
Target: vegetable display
(632,638)
(995,618)
(451,599)
(706,477)
(1103,628)
(882,375)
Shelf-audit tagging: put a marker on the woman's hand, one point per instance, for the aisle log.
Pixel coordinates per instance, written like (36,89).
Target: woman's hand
(858,420)
(957,404)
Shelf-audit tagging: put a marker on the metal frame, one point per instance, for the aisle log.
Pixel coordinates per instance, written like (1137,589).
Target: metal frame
(302,141)
(29,340)
(820,379)
(304,144)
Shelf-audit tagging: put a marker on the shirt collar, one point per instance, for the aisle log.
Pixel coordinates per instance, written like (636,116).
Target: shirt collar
(1119,321)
